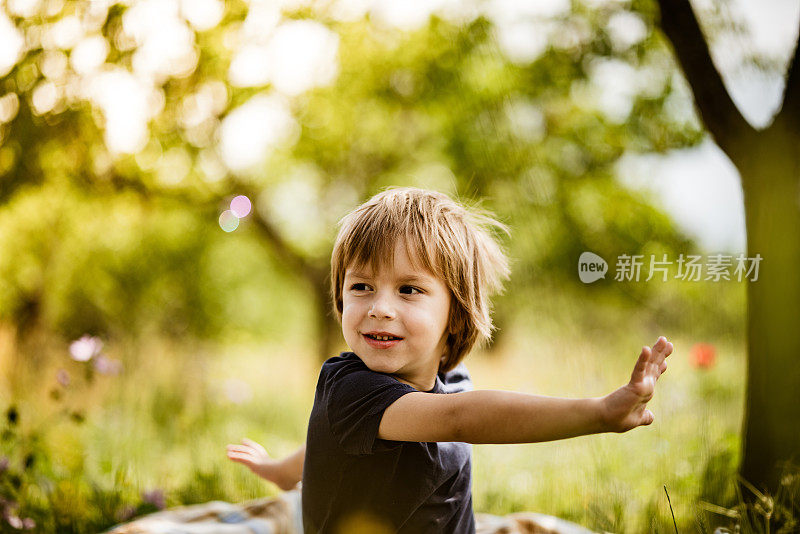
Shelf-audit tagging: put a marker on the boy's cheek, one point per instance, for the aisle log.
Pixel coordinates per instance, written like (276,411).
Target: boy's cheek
(348,308)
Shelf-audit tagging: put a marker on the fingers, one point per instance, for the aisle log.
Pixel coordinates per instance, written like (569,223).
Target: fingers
(248,445)
(236,452)
(232,450)
(659,348)
(648,417)
(242,458)
(640,369)
(655,356)
(249,453)
(256,446)
(662,349)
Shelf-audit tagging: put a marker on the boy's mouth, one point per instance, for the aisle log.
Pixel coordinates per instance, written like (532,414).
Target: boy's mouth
(381,340)
(383,337)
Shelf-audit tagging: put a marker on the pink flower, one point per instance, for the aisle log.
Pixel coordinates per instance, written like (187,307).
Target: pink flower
(126,513)
(703,355)
(154,497)
(107,366)
(83,349)
(63,377)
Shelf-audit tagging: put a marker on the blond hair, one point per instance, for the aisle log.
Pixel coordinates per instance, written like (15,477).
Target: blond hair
(449,240)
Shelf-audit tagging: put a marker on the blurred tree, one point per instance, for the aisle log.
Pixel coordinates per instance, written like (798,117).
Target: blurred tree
(768,163)
(447,106)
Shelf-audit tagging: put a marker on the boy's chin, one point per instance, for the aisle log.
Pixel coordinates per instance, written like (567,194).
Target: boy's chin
(375,364)
(381,367)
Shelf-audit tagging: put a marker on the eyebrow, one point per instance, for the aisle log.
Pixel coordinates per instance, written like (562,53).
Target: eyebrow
(356,274)
(408,278)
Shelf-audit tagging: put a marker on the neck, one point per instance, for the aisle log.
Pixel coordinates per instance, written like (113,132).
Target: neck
(425,384)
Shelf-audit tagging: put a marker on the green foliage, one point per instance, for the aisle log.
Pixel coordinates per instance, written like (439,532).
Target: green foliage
(44,482)
(116,246)
(86,474)
(121,251)
(121,266)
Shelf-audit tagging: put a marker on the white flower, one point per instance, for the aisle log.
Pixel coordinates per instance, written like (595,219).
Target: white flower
(237,391)
(83,349)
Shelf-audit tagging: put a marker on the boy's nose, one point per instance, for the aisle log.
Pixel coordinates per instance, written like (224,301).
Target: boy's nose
(381,309)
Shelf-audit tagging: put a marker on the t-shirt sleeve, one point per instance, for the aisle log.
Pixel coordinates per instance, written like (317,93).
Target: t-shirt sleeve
(355,399)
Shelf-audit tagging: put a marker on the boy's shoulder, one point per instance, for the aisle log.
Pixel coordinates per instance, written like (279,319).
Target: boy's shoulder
(345,361)
(343,357)
(348,364)
(348,369)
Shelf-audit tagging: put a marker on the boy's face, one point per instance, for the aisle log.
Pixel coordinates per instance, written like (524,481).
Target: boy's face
(402,301)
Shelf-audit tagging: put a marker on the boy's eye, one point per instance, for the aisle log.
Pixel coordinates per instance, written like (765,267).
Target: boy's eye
(359,287)
(410,290)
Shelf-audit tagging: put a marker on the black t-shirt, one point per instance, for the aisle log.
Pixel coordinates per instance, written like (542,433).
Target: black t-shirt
(410,486)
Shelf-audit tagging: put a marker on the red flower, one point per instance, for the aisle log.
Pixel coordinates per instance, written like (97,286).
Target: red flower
(703,355)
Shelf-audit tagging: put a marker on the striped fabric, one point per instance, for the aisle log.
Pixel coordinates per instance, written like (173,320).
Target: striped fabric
(282,515)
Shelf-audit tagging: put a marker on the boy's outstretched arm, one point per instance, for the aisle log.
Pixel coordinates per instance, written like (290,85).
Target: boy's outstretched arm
(507,417)
(285,473)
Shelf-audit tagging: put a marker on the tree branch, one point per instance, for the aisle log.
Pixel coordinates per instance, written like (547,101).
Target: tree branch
(291,257)
(717,110)
(302,265)
(297,261)
(313,272)
(791,94)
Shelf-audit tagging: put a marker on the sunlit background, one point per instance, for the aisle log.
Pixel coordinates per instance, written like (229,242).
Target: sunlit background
(171,175)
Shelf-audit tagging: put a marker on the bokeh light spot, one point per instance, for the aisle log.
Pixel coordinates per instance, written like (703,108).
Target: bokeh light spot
(240,206)
(228,221)
(85,348)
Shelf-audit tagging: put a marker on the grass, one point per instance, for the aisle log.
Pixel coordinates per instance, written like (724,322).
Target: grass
(164,423)
(612,482)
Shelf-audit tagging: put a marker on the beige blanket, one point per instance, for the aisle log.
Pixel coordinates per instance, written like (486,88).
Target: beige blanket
(282,515)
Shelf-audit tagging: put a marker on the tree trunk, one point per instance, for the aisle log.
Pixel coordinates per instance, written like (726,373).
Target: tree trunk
(770,169)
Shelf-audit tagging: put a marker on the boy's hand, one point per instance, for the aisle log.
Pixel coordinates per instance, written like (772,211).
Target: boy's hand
(256,458)
(625,408)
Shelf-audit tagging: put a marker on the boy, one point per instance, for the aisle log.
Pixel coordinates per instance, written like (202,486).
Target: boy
(388,437)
